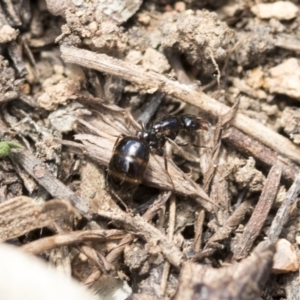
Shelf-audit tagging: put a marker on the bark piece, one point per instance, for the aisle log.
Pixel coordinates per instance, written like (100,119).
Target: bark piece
(283,212)
(21,214)
(70,238)
(259,214)
(252,147)
(37,169)
(240,281)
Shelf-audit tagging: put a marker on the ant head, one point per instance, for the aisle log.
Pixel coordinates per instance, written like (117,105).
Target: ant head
(192,123)
(142,134)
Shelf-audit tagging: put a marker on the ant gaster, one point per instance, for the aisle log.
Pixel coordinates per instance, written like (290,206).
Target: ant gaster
(131,153)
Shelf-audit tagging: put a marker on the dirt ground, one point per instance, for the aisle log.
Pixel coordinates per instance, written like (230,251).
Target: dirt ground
(216,213)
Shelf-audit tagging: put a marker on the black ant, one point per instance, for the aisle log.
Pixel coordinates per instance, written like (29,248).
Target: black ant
(131,153)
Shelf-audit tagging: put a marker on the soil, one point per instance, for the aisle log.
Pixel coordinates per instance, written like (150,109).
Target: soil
(216,214)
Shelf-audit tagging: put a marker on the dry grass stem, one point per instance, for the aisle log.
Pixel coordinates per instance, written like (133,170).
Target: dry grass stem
(37,169)
(225,231)
(70,238)
(171,228)
(252,147)
(151,234)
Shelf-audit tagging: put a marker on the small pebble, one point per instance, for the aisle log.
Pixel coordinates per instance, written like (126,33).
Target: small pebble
(280,10)
(285,258)
(180,6)
(77,2)
(285,78)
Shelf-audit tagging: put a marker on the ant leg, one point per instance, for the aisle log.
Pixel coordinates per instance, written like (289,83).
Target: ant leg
(183,152)
(117,141)
(166,169)
(184,144)
(142,125)
(116,197)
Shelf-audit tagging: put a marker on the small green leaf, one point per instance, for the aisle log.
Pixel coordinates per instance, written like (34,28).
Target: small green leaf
(6,146)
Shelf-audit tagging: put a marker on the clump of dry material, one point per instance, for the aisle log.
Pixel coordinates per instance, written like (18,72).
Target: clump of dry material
(284,78)
(7,34)
(280,10)
(58,88)
(200,35)
(252,44)
(8,89)
(290,121)
(88,26)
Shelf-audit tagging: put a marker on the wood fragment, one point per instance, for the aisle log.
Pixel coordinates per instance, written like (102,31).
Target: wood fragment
(152,81)
(199,230)
(259,214)
(171,228)
(21,215)
(151,234)
(148,215)
(224,232)
(15,50)
(240,281)
(11,95)
(225,119)
(98,258)
(282,214)
(37,169)
(217,147)
(288,42)
(14,16)
(219,191)
(113,255)
(70,238)
(249,146)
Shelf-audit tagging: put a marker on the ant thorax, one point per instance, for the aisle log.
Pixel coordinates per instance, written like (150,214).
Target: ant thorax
(155,140)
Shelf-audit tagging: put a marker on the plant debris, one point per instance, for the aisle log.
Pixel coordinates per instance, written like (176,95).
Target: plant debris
(216,215)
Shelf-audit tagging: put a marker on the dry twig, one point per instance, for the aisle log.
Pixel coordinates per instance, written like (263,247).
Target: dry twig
(151,234)
(187,93)
(265,155)
(199,230)
(224,232)
(70,238)
(37,169)
(259,214)
(244,280)
(172,217)
(282,214)
(21,214)
(148,215)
